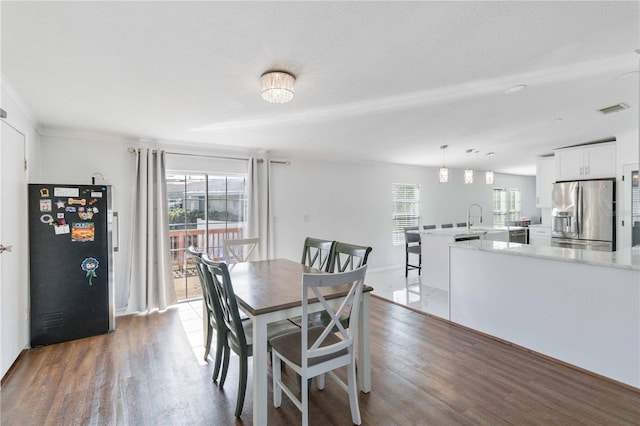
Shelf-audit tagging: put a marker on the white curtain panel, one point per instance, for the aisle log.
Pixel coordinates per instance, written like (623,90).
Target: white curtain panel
(151,281)
(260,209)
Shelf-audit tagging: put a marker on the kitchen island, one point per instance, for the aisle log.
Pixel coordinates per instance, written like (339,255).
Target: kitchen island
(580,307)
(435,249)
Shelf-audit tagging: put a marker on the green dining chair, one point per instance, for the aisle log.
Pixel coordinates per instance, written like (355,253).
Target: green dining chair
(316,253)
(213,311)
(237,333)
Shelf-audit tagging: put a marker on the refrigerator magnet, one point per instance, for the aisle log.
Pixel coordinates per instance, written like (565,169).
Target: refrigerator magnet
(59,215)
(45,205)
(66,192)
(60,204)
(89,265)
(85,215)
(80,201)
(82,231)
(44,192)
(46,218)
(61,229)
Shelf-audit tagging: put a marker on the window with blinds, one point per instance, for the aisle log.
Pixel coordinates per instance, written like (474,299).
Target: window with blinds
(406,209)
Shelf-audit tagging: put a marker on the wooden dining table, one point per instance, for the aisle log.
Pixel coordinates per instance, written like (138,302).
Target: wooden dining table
(271,290)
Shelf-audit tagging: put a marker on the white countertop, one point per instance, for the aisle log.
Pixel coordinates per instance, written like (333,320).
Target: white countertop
(463,232)
(624,259)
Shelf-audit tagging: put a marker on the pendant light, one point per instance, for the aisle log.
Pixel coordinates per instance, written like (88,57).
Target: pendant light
(468,173)
(468,176)
(488,178)
(443,175)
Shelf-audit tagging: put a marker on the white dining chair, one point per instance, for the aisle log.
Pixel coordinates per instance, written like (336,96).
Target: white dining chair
(240,250)
(316,351)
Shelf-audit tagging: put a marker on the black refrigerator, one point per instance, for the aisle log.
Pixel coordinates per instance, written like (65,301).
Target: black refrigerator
(70,256)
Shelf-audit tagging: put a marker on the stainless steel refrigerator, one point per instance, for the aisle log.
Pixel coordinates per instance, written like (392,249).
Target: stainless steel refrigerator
(70,255)
(583,215)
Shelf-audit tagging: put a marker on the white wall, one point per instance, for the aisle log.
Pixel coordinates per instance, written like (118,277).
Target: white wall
(352,202)
(347,201)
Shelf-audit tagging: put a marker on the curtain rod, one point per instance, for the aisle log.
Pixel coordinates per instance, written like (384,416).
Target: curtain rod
(260,160)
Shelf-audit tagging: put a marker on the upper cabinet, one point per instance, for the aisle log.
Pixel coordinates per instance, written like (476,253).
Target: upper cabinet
(545,177)
(586,162)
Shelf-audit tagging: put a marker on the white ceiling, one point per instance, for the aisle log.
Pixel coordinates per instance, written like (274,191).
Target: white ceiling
(376,81)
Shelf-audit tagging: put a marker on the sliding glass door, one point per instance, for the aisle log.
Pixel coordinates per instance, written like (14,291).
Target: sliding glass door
(204,210)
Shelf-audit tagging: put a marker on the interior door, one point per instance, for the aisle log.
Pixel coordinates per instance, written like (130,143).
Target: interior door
(13,234)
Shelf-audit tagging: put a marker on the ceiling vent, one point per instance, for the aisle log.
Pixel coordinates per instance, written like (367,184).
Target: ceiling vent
(613,108)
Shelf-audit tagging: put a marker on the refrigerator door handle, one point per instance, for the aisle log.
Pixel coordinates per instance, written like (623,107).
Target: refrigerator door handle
(579,210)
(116,232)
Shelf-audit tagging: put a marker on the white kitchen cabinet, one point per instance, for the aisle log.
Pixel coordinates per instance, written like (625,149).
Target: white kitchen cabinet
(586,162)
(540,235)
(545,177)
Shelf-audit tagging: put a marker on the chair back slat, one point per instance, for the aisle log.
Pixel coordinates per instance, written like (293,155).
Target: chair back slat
(240,250)
(350,307)
(412,238)
(349,256)
(316,253)
(203,274)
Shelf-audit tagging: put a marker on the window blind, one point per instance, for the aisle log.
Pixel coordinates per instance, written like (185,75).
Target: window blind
(406,209)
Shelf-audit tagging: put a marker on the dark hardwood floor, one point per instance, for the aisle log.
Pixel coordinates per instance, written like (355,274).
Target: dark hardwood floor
(425,372)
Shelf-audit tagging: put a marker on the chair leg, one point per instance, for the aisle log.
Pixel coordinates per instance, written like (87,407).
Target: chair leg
(219,354)
(225,366)
(308,383)
(320,380)
(207,346)
(406,264)
(304,399)
(277,376)
(419,263)
(353,394)
(242,384)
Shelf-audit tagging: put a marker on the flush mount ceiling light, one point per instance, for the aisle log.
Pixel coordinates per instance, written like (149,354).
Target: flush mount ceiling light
(443,175)
(277,87)
(488,178)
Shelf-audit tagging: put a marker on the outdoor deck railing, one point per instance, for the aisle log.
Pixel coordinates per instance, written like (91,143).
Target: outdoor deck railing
(181,239)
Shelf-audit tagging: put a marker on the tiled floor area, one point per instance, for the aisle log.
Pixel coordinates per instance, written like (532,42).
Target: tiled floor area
(413,291)
(389,284)
(191,316)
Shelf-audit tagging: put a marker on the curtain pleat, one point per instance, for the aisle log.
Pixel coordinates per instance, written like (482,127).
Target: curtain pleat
(260,209)
(151,282)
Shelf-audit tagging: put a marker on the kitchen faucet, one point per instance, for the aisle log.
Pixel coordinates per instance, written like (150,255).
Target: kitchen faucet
(469,215)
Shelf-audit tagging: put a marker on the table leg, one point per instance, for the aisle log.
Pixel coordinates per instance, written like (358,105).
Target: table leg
(364,346)
(260,366)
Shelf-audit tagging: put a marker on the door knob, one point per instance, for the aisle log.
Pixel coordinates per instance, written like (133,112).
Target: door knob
(3,248)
